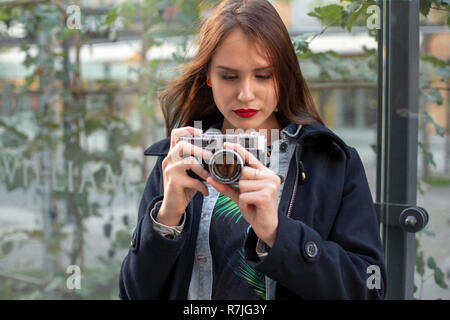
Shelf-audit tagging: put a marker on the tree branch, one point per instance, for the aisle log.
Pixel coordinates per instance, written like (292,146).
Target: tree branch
(440,9)
(439,88)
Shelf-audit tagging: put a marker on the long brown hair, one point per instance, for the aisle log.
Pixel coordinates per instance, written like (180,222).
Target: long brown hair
(188,98)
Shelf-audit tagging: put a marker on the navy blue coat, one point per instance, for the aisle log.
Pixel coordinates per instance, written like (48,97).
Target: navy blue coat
(322,251)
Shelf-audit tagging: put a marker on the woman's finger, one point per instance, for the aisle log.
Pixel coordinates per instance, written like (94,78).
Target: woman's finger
(184,148)
(229,191)
(251,185)
(249,173)
(192,183)
(246,208)
(257,198)
(180,132)
(191,163)
(249,158)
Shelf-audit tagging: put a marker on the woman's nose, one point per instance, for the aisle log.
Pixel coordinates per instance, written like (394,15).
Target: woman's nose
(246,91)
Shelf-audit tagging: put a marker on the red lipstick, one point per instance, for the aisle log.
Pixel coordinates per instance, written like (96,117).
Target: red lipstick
(246,113)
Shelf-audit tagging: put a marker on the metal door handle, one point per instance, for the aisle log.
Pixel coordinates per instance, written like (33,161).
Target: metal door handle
(413,219)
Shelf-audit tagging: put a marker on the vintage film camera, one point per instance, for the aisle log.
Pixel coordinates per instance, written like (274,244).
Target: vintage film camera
(226,165)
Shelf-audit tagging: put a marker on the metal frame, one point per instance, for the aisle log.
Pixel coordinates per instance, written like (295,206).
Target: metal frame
(398,138)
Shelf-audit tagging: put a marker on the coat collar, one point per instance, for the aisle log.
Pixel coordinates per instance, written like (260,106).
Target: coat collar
(318,130)
(292,130)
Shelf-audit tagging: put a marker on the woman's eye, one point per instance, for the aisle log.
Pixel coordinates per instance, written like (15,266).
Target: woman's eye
(262,77)
(229,77)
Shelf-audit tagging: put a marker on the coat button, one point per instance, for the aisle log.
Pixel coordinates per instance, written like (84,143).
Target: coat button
(283,147)
(311,249)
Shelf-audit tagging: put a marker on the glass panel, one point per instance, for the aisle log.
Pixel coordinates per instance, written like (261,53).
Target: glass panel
(434,156)
(397,141)
(77,109)
(404,123)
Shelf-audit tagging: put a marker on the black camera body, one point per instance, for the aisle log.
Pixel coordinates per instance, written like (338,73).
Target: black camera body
(226,165)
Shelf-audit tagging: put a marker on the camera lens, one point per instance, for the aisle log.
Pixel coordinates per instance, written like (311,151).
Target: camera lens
(226,166)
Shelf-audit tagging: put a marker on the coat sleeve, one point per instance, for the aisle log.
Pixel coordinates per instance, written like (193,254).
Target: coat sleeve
(339,267)
(146,270)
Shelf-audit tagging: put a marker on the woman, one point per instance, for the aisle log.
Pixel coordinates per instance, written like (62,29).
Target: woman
(302,227)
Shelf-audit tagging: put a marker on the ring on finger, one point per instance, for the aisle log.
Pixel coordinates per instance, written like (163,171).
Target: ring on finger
(256,174)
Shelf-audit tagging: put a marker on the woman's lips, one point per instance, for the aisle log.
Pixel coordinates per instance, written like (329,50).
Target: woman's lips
(246,113)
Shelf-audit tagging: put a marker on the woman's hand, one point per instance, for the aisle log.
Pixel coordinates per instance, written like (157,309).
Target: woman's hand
(179,188)
(257,196)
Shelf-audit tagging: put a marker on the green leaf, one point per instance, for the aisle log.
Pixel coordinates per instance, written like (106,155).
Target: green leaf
(301,43)
(444,72)
(92,125)
(424,7)
(439,130)
(111,18)
(34,234)
(331,53)
(433,95)
(355,5)
(7,247)
(431,263)
(351,19)
(330,13)
(355,9)
(439,278)
(4,15)
(420,264)
(428,155)
(435,61)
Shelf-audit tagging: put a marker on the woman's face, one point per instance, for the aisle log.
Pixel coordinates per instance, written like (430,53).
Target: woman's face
(243,84)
